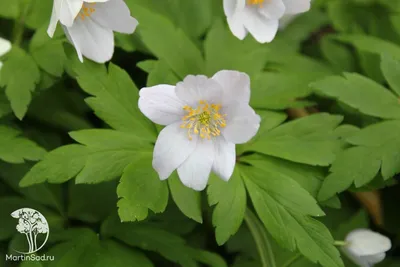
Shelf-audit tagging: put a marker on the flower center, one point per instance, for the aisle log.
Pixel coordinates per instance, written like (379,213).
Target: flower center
(255,2)
(87,10)
(205,120)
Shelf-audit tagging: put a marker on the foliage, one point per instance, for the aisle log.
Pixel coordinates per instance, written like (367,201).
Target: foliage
(75,146)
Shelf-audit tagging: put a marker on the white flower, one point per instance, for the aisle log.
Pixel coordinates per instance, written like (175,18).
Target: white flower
(260,17)
(5,47)
(204,118)
(366,247)
(89,25)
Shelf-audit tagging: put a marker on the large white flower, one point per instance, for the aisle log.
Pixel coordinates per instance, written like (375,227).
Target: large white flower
(366,247)
(5,47)
(89,25)
(204,118)
(260,17)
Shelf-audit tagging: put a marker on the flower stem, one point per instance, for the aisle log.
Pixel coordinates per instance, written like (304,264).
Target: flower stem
(292,260)
(340,243)
(19,26)
(260,237)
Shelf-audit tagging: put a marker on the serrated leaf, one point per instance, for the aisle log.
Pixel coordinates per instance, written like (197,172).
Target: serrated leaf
(391,70)
(167,42)
(230,200)
(187,200)
(58,166)
(17,149)
(376,147)
(348,89)
(161,74)
(19,76)
(109,152)
(308,140)
(115,99)
(170,246)
(140,189)
(291,228)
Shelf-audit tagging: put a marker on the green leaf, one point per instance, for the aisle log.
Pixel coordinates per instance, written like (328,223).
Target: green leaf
(167,42)
(340,56)
(39,13)
(19,75)
(348,89)
(109,152)
(58,166)
(140,189)
(308,140)
(288,224)
(48,53)
(115,99)
(207,258)
(230,200)
(187,200)
(15,149)
(220,45)
(391,70)
(170,246)
(161,74)
(377,147)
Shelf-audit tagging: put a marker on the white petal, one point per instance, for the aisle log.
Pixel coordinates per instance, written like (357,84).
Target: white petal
(115,15)
(235,85)
(363,242)
(77,48)
(160,104)
(242,123)
(229,7)
(225,158)
(296,6)
(373,259)
(5,46)
(92,40)
(194,172)
(273,9)
(285,21)
(199,87)
(262,29)
(172,148)
(69,10)
(236,25)
(54,18)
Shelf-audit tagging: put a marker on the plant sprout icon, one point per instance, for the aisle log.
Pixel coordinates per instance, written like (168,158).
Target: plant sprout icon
(31,223)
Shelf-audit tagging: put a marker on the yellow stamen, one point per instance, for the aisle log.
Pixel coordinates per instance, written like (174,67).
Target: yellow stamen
(87,10)
(205,120)
(255,2)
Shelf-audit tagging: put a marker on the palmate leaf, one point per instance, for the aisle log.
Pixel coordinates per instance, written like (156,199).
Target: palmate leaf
(308,140)
(376,147)
(391,70)
(376,100)
(19,76)
(17,149)
(279,208)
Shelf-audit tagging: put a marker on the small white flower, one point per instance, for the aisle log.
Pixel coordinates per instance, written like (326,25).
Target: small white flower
(5,47)
(204,118)
(365,247)
(89,25)
(260,17)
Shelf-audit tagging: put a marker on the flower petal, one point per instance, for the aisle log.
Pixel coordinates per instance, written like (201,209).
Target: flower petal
(225,158)
(262,28)
(92,40)
(235,85)
(296,6)
(115,15)
(5,46)
(194,172)
(273,9)
(172,148)
(373,259)
(363,242)
(242,123)
(199,87)
(69,9)
(54,18)
(232,6)
(160,104)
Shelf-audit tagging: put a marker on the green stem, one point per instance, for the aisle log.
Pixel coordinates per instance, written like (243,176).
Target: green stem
(340,243)
(292,260)
(260,237)
(19,26)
